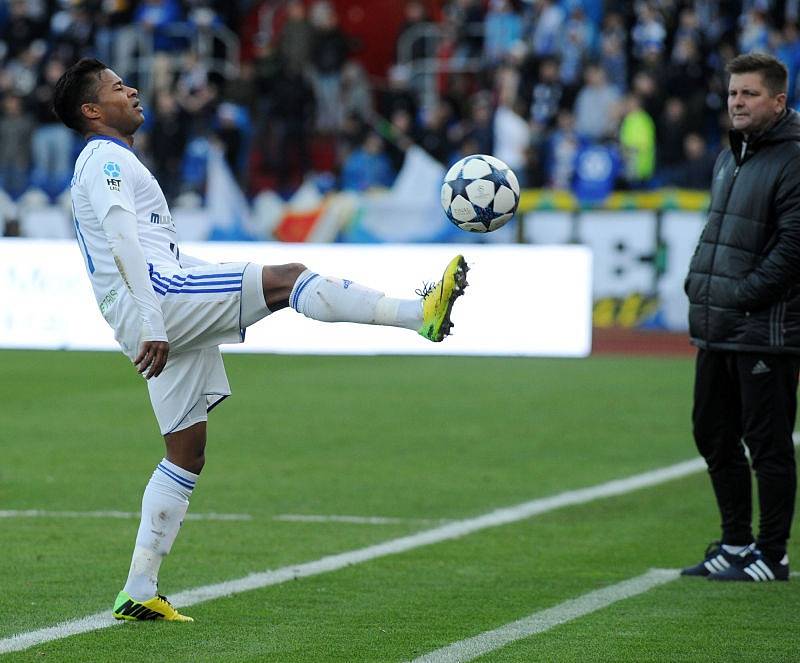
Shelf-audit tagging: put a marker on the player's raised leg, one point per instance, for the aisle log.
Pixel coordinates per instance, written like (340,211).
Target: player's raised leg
(438,300)
(331,299)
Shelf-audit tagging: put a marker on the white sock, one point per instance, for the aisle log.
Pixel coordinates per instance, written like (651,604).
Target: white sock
(735,550)
(340,300)
(164,504)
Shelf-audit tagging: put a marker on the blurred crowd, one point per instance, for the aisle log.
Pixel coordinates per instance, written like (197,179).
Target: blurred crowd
(584,95)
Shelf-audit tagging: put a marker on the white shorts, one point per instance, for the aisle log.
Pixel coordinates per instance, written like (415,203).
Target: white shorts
(203,307)
(190,385)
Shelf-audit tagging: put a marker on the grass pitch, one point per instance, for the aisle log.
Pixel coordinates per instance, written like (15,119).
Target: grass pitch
(417,439)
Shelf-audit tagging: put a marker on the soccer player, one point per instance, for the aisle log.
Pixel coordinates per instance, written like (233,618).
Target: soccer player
(170,312)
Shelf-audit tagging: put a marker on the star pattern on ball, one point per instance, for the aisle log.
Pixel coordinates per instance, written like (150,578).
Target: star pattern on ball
(496,177)
(459,187)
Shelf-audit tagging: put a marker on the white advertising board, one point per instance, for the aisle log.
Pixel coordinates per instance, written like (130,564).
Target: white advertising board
(521,300)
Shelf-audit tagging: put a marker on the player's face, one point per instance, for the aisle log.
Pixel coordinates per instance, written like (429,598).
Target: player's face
(751,107)
(119,104)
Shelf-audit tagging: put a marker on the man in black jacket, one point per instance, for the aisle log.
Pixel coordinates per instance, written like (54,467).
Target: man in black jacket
(744,316)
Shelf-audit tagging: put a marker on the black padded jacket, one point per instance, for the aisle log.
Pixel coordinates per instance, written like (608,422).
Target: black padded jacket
(744,277)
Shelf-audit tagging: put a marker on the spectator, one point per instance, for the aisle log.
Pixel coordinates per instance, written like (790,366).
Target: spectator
(649,32)
(156,17)
(652,64)
(168,137)
(562,149)
(650,93)
(110,25)
(577,46)
(502,30)
(72,31)
(288,151)
(242,90)
(547,94)
(787,50)
(512,133)
(433,135)
(232,129)
(328,55)
(368,166)
(688,29)
(52,142)
(398,94)
(671,130)
(479,126)
(399,131)
(355,91)
(412,44)
(614,28)
(754,33)
(195,93)
(22,73)
(16,132)
(596,106)
(462,17)
(546,21)
(712,21)
(695,171)
(21,29)
(296,38)
(687,76)
(533,173)
(612,51)
(637,139)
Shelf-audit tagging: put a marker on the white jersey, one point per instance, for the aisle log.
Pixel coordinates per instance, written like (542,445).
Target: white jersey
(108,174)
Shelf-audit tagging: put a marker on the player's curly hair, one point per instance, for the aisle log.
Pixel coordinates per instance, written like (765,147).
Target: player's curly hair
(773,71)
(77,86)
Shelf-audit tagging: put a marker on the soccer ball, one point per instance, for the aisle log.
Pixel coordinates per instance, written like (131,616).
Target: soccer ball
(480,193)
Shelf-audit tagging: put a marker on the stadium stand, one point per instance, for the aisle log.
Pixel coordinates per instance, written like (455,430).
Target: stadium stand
(291,89)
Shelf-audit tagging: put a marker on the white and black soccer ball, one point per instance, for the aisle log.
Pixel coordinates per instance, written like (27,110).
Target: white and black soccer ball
(480,193)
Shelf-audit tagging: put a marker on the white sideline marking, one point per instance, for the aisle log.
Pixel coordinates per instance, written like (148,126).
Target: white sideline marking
(544,620)
(446,532)
(40,513)
(358,520)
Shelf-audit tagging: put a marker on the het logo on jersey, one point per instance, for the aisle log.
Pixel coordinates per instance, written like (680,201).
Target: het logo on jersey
(113,175)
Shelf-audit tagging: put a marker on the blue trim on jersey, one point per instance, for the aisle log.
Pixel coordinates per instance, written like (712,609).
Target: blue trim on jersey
(177,478)
(299,289)
(89,261)
(85,162)
(119,142)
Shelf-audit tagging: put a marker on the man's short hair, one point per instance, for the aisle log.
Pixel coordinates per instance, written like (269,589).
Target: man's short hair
(772,70)
(77,86)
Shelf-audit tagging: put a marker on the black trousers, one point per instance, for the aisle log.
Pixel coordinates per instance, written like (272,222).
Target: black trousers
(751,398)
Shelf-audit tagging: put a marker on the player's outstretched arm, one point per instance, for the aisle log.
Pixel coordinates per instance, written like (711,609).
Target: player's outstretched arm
(119,227)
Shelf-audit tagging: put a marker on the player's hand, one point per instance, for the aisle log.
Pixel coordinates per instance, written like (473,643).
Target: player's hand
(153,356)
